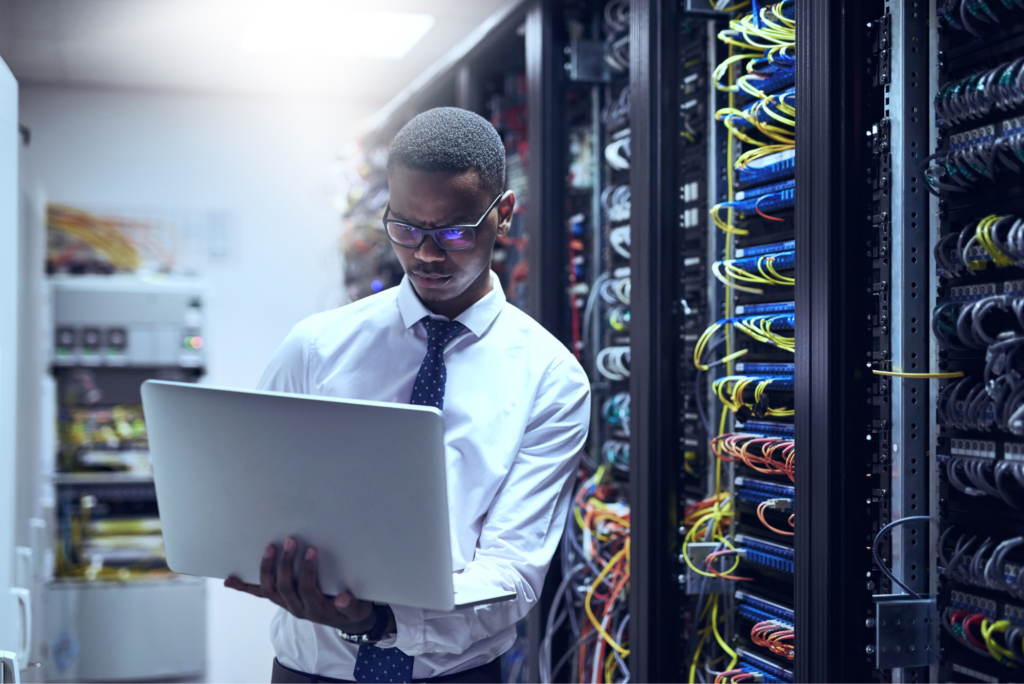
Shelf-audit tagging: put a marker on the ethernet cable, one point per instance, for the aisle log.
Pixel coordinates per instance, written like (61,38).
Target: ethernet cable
(613,362)
(619,239)
(733,272)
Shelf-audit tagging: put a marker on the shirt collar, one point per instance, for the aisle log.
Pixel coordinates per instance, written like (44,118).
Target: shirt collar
(476,318)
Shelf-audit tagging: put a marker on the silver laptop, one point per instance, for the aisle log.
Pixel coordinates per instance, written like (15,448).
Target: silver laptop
(362,481)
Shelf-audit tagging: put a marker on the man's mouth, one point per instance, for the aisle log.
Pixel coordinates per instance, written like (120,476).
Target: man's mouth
(430,279)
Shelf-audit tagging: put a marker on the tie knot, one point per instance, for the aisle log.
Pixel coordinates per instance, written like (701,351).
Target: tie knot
(439,333)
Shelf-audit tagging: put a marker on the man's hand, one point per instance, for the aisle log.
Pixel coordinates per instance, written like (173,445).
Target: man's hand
(303,598)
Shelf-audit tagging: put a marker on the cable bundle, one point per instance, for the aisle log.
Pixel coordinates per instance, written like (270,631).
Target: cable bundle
(968,405)
(974,16)
(618,319)
(985,565)
(985,476)
(616,411)
(732,272)
(616,202)
(616,452)
(618,152)
(767,43)
(973,97)
(774,635)
(762,327)
(730,388)
(615,114)
(994,239)
(977,325)
(708,521)
(613,362)
(616,29)
(619,239)
(776,505)
(766,455)
(612,292)
(595,556)
(998,639)
(88,231)
(972,156)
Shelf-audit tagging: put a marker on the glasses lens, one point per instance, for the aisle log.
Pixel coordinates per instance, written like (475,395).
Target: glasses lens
(403,234)
(455,238)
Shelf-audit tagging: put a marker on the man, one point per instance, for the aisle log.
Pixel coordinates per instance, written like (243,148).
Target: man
(516,409)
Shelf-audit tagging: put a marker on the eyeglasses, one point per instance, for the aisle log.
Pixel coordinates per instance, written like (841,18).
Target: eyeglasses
(448,238)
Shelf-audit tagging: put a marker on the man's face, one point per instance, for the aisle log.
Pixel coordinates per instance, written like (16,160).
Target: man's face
(433,200)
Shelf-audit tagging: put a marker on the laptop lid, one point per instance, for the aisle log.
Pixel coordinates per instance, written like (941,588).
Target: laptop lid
(363,481)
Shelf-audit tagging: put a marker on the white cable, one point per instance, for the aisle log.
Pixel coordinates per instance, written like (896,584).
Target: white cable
(619,239)
(611,363)
(623,290)
(617,154)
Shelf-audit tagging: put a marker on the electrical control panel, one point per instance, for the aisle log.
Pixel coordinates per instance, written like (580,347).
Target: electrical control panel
(123,321)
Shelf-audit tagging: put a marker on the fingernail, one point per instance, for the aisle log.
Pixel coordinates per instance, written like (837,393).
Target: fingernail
(289,544)
(341,600)
(310,553)
(269,551)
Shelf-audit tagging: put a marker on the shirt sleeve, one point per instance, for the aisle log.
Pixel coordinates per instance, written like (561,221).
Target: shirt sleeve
(523,527)
(288,369)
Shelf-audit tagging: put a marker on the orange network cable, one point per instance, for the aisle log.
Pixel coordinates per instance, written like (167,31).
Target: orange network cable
(765,505)
(774,636)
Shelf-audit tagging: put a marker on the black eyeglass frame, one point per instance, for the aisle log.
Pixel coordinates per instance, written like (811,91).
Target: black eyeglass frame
(432,232)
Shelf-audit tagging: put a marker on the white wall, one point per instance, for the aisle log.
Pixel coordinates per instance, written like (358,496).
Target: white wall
(8,343)
(266,164)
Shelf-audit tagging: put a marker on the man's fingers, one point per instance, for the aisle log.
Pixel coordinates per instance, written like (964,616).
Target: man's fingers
(268,576)
(239,585)
(312,598)
(286,579)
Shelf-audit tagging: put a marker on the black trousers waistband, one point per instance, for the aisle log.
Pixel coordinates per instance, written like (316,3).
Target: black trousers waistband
(484,674)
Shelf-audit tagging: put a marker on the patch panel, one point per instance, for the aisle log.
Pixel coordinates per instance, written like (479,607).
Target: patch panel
(774,556)
(763,190)
(768,669)
(773,247)
(766,428)
(768,490)
(964,601)
(766,308)
(770,608)
(773,167)
(780,261)
(765,368)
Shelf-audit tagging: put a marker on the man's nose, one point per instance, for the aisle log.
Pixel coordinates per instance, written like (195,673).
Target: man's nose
(429,251)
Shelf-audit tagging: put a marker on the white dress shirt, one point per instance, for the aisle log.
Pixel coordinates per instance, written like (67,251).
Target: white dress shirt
(516,413)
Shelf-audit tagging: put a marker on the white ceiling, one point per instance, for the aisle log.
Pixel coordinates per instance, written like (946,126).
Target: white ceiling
(193,46)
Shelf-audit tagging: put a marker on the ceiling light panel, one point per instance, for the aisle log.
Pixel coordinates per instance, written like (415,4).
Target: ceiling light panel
(332,28)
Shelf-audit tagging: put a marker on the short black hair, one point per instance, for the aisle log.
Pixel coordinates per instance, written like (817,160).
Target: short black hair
(449,139)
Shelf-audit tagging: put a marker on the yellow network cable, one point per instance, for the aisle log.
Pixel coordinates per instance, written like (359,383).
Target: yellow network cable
(728,273)
(940,376)
(998,652)
(984,234)
(729,390)
(702,342)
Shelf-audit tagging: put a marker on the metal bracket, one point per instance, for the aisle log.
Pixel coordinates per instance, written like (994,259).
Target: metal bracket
(906,631)
(712,585)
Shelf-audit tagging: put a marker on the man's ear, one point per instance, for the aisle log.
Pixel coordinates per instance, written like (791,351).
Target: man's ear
(506,207)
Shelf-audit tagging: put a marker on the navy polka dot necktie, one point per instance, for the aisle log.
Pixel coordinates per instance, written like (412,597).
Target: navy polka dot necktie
(429,387)
(389,664)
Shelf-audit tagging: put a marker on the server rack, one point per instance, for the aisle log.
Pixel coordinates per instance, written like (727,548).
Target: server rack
(861,83)
(976,541)
(880,440)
